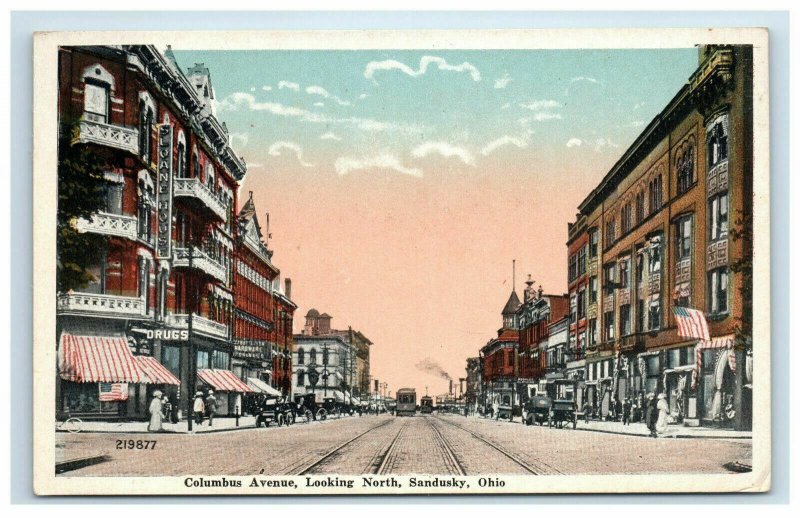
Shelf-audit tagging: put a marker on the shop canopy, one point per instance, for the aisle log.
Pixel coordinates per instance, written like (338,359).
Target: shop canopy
(98,359)
(222,380)
(156,373)
(260,386)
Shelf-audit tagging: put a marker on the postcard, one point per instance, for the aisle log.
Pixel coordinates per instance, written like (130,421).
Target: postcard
(401,262)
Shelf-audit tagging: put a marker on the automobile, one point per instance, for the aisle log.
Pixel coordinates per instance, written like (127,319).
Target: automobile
(537,410)
(564,407)
(267,412)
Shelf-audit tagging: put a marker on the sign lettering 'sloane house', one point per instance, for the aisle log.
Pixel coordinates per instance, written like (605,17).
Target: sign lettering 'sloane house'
(155,309)
(670,225)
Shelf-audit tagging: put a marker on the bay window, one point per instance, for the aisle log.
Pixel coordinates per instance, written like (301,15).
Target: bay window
(718,290)
(718,210)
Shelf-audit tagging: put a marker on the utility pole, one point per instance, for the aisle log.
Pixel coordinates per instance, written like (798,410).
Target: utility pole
(192,353)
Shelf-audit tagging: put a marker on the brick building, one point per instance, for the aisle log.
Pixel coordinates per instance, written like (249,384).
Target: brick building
(262,344)
(163,284)
(499,361)
(668,226)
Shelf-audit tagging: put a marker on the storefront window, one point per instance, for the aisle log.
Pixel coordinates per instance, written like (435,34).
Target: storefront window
(85,398)
(171,359)
(220,360)
(202,359)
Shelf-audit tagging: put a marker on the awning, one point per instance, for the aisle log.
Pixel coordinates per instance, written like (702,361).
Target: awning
(92,359)
(155,373)
(224,380)
(260,386)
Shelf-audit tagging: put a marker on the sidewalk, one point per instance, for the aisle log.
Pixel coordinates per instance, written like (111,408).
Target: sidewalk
(639,429)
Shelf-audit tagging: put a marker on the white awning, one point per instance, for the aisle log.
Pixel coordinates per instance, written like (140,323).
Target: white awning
(259,386)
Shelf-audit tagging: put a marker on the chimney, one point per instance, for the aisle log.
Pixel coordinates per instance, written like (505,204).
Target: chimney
(451,387)
(288,289)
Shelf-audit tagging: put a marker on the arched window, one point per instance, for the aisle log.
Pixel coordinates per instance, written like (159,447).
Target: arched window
(97,88)
(210,177)
(685,167)
(717,139)
(145,205)
(180,166)
(313,356)
(195,164)
(145,129)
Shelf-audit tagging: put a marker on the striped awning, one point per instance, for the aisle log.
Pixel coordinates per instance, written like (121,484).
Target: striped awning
(224,380)
(156,373)
(260,386)
(93,359)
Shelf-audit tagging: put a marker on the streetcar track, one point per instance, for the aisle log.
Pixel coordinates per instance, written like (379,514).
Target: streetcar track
(448,450)
(541,470)
(306,469)
(390,454)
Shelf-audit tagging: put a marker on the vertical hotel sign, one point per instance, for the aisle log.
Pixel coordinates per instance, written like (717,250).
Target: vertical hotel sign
(164,195)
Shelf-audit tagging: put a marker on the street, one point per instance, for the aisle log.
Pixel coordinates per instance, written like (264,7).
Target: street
(383,445)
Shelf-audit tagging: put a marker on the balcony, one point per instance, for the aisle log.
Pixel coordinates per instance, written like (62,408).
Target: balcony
(117,225)
(194,189)
(201,261)
(95,304)
(632,343)
(605,346)
(200,325)
(111,135)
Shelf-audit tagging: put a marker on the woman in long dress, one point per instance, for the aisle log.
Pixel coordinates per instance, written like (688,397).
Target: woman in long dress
(155,424)
(663,409)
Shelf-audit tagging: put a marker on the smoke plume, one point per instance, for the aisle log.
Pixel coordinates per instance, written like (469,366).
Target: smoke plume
(431,367)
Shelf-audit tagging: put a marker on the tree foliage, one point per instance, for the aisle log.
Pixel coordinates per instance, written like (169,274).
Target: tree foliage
(743,231)
(81,193)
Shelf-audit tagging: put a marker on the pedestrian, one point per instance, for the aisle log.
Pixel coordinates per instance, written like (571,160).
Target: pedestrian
(651,414)
(155,413)
(626,412)
(586,411)
(198,408)
(618,410)
(662,411)
(166,408)
(211,407)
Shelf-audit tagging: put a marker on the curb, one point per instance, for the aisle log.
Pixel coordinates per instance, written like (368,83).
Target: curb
(670,435)
(82,462)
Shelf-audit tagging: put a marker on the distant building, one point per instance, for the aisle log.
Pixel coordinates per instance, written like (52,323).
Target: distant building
(499,360)
(472,394)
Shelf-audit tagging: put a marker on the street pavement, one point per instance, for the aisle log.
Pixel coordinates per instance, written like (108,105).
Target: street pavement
(446,444)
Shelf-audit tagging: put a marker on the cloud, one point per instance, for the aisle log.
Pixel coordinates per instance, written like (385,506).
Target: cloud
(574,142)
(603,143)
(583,78)
(243,100)
(502,82)
(363,96)
(266,88)
(540,117)
(503,141)
(252,88)
(639,105)
(544,104)
(444,149)
(637,124)
(288,84)
(505,106)
(330,136)
(319,104)
(390,64)
(238,140)
(277,148)
(318,90)
(346,165)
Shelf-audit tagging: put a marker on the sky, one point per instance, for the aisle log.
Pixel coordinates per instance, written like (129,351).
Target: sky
(401,185)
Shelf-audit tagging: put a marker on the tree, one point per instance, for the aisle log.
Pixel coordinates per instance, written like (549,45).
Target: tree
(743,231)
(81,193)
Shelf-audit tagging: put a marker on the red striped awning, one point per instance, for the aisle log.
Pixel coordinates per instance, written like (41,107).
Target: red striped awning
(93,359)
(156,373)
(224,380)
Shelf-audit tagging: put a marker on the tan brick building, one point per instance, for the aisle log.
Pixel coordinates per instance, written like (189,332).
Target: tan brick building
(670,225)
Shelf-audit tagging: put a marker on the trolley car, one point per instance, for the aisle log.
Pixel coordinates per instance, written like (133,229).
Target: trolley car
(426,405)
(406,401)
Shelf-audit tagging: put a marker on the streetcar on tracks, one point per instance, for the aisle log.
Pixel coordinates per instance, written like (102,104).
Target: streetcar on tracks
(426,405)
(406,402)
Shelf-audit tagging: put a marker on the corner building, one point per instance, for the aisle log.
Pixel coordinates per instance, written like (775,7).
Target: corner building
(670,225)
(161,298)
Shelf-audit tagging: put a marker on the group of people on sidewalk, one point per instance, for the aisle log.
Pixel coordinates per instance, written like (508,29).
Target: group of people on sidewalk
(161,409)
(651,410)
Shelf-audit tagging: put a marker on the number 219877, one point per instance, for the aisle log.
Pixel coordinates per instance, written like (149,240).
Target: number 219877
(130,444)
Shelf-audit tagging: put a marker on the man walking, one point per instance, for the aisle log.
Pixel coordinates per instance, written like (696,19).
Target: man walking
(626,412)
(198,408)
(211,407)
(651,414)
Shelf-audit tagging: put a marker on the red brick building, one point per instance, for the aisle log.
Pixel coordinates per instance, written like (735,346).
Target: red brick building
(499,360)
(262,345)
(163,286)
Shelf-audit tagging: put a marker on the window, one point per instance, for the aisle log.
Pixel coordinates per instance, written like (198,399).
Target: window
(718,290)
(718,210)
(573,267)
(581,304)
(301,379)
(627,218)
(683,238)
(113,201)
(686,170)
(202,359)
(625,273)
(145,129)
(611,231)
(210,178)
(195,165)
(220,360)
(608,320)
(171,358)
(717,138)
(97,284)
(640,315)
(609,277)
(639,207)
(593,239)
(625,319)
(593,290)
(655,194)
(143,284)
(582,261)
(95,101)
(655,255)
(180,168)
(654,314)
(312,356)
(301,356)
(592,331)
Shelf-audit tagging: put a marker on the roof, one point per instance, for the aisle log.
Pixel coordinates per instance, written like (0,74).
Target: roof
(312,313)
(325,315)
(512,305)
